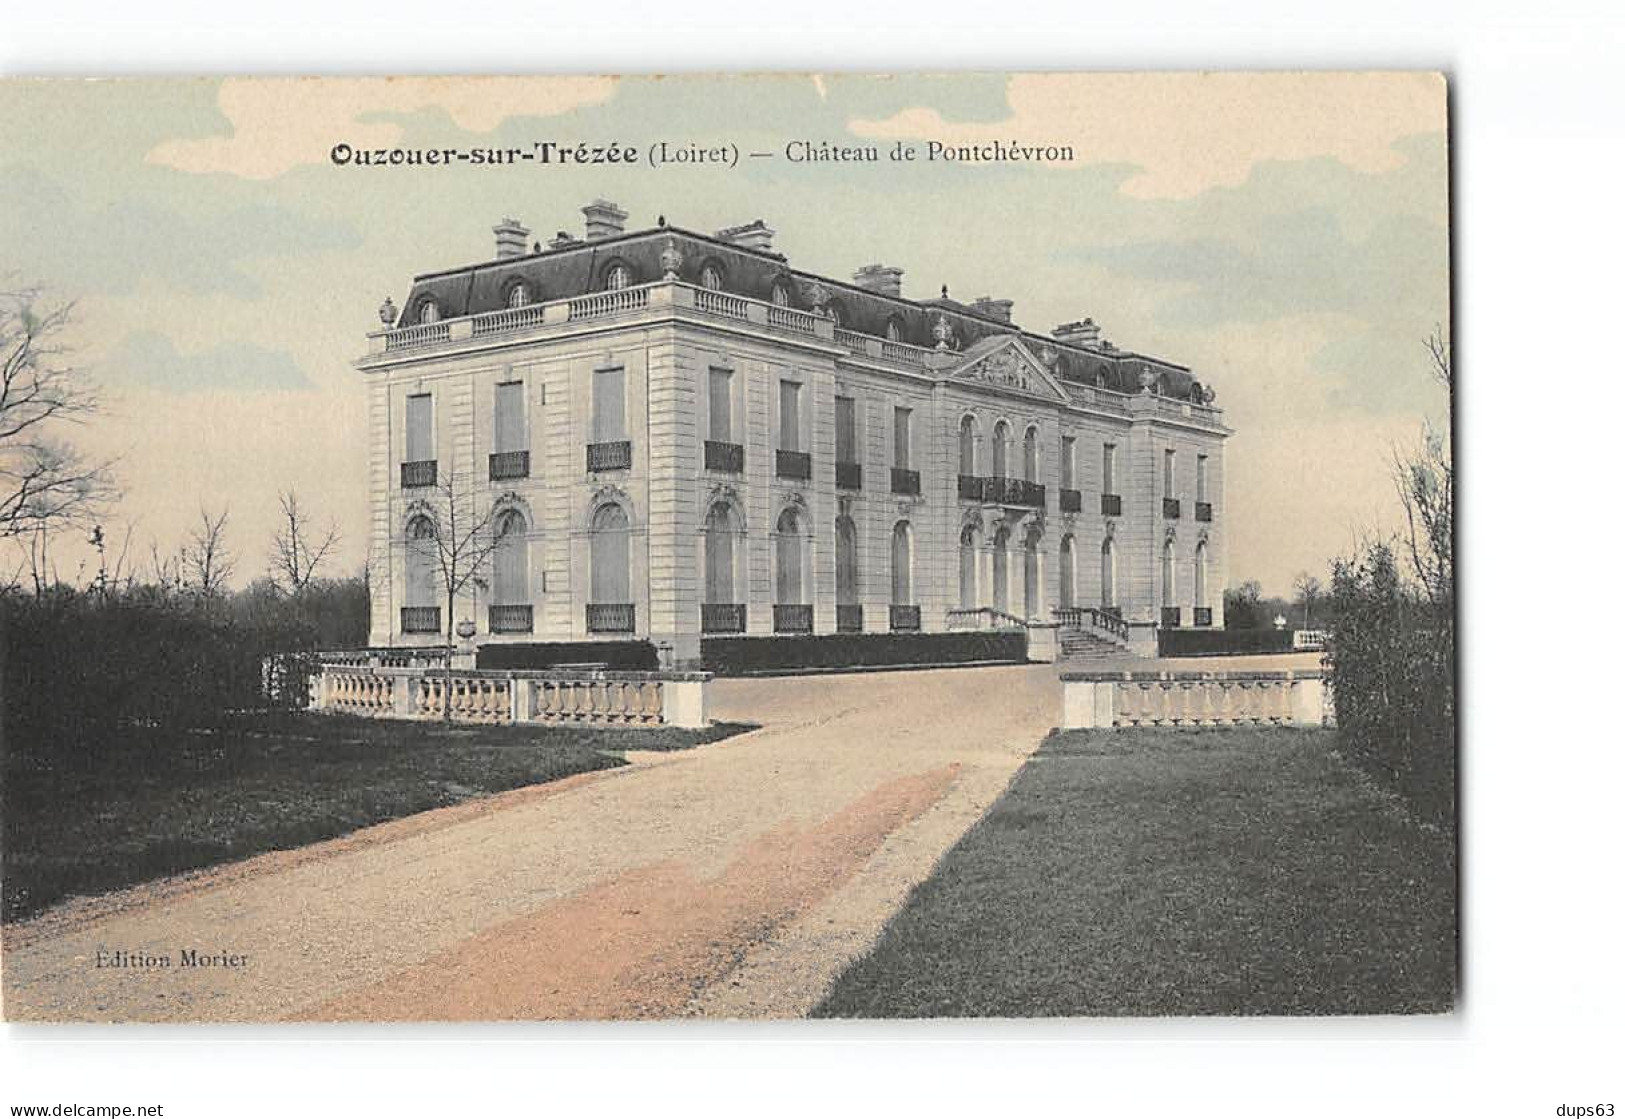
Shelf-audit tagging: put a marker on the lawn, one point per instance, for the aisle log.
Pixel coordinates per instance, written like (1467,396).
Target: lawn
(153,803)
(1240,872)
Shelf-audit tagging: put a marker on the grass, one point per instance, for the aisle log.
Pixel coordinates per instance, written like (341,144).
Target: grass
(1235,872)
(151,803)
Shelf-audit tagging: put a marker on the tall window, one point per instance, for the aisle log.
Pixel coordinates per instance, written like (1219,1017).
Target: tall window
(1168,597)
(720,530)
(1201,477)
(902,422)
(781,294)
(1001,449)
(846,429)
(1069,467)
(722,395)
(789,416)
(1108,575)
(711,277)
(787,581)
(419,427)
(619,276)
(1029,455)
(608,405)
(518,295)
(428,312)
(967,446)
(510,562)
(1108,468)
(610,556)
(902,562)
(1001,570)
(1069,574)
(1168,472)
(1029,575)
(421,568)
(967,567)
(1201,575)
(509,420)
(846,562)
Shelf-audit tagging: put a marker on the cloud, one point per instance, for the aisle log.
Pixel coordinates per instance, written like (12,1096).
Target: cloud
(151,360)
(1187,133)
(278,124)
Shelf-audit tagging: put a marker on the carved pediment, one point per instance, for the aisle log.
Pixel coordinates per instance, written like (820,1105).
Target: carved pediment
(1007,363)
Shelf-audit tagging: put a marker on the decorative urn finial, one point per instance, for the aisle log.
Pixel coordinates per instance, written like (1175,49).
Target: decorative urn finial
(1148,377)
(671,258)
(818,297)
(387,313)
(942,330)
(1208,394)
(1049,356)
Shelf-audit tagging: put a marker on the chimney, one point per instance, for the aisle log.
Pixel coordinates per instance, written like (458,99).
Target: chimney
(755,235)
(511,238)
(992,308)
(882,279)
(604,219)
(1084,333)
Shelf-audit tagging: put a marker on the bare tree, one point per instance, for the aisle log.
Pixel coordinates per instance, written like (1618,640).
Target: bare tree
(461,545)
(206,563)
(299,549)
(1425,479)
(45,483)
(1307,590)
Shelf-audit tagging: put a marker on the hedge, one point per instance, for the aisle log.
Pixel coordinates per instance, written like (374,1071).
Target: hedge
(745,656)
(623,656)
(1218,642)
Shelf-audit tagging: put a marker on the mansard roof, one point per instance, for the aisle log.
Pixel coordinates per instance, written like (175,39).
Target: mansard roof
(580,266)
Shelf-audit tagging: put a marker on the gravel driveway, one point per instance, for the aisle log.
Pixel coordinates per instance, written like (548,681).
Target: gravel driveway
(733,880)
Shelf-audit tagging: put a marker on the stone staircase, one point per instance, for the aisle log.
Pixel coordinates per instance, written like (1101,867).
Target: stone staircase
(1084,645)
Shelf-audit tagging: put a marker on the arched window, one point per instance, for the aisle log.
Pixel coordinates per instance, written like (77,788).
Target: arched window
(610,556)
(968,540)
(1029,455)
(1201,576)
(711,276)
(421,566)
(1108,576)
(894,330)
(833,312)
(518,294)
(787,581)
(902,565)
(1032,598)
(967,446)
(1069,574)
(720,530)
(618,277)
(1168,597)
(1001,570)
(428,311)
(846,562)
(510,561)
(781,293)
(1001,450)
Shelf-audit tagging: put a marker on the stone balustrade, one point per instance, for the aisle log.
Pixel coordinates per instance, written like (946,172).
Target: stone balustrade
(558,696)
(1195,699)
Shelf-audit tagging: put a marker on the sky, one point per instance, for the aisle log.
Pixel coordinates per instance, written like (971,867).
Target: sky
(1285,235)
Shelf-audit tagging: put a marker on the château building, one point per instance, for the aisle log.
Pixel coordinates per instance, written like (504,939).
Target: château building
(681,434)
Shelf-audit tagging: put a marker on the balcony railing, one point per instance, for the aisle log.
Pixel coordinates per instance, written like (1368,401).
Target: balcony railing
(1170,617)
(970,487)
(510,464)
(905,619)
(1071,501)
(848,618)
(609,456)
(1170,508)
(1111,505)
(511,619)
(420,619)
(848,476)
(794,465)
(611,617)
(725,458)
(1204,510)
(1202,615)
(722,617)
(904,480)
(1015,491)
(415,475)
(792,618)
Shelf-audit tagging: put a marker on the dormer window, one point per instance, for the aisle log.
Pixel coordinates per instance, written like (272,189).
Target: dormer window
(894,333)
(428,311)
(781,294)
(617,278)
(711,277)
(518,294)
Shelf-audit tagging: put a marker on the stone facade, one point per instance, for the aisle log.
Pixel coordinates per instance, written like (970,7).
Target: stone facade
(691,315)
